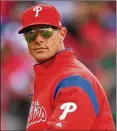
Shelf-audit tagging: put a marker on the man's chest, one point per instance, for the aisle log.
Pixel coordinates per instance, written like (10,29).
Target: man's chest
(40,111)
(41,105)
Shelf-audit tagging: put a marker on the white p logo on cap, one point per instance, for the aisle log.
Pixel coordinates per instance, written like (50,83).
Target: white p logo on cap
(37,9)
(67,107)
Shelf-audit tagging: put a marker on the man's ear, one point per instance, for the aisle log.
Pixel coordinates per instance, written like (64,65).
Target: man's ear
(63,33)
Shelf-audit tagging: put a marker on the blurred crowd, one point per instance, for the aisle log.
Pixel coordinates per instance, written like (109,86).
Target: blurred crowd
(91,34)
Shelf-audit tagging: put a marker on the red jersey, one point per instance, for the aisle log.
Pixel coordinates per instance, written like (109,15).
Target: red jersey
(67,96)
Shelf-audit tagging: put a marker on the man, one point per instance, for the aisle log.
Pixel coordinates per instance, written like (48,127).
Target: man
(67,96)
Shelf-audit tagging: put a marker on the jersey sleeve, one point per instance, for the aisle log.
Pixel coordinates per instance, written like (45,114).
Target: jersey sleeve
(75,105)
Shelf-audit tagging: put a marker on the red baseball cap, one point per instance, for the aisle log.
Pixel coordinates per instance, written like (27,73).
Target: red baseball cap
(40,14)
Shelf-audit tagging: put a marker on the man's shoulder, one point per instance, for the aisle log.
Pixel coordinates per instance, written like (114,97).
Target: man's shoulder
(76,68)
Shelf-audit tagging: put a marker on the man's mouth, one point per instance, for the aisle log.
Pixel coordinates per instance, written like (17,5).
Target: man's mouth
(39,49)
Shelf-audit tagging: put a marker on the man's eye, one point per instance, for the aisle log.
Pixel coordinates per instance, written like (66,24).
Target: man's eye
(45,29)
(32,31)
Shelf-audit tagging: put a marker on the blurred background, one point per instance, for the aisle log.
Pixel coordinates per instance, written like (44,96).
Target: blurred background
(91,34)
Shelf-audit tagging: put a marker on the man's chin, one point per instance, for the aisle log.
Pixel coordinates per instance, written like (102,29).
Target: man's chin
(42,59)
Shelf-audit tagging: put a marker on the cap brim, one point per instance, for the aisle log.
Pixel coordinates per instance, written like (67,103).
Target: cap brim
(24,29)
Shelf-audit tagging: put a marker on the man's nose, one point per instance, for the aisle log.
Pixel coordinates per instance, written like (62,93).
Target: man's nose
(39,38)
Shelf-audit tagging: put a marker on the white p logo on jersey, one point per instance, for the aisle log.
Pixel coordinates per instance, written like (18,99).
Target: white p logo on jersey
(67,107)
(37,9)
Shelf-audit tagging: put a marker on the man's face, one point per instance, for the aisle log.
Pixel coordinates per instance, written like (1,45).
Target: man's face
(44,48)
